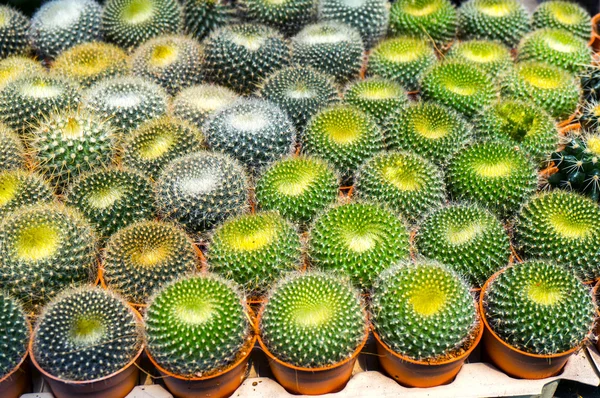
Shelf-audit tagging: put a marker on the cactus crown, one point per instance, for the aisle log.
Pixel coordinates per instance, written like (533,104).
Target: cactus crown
(17,66)
(491,56)
(20,188)
(194,104)
(376,96)
(435,19)
(14,333)
(565,15)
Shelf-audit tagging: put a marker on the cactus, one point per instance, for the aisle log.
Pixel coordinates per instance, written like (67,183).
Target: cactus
(468,238)
(491,56)
(435,19)
(358,239)
(202,189)
(255,250)
(145,256)
(14,333)
(197,326)
(94,323)
(298,187)
(565,15)
(407,183)
(12,151)
(16,66)
(313,320)
(19,188)
(194,104)
(287,16)
(13,32)
(539,307)
(377,97)
(201,17)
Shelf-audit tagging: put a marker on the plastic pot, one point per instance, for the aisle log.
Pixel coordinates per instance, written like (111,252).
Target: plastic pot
(413,373)
(595,39)
(218,385)
(17,381)
(514,362)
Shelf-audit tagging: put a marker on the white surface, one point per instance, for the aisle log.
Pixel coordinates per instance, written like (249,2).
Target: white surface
(149,391)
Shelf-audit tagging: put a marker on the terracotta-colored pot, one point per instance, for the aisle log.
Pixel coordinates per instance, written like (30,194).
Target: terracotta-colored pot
(17,381)
(514,362)
(218,385)
(595,39)
(413,373)
(563,130)
(595,293)
(564,123)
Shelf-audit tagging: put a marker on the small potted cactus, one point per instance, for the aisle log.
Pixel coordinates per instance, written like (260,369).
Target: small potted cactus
(15,332)
(425,323)
(312,328)
(199,336)
(536,315)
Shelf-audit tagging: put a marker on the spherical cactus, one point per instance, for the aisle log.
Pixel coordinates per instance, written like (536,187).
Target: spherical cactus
(427,129)
(329,47)
(89,63)
(14,333)
(459,85)
(490,56)
(313,320)
(344,136)
(128,23)
(493,174)
(241,56)
(549,87)
(85,334)
(13,32)
(435,19)
(157,142)
(589,116)
(590,82)
(300,91)
(197,326)
(254,131)
(287,16)
(377,97)
(12,151)
(565,15)
(369,17)
(70,143)
(467,238)
(17,66)
(255,250)
(521,123)
(402,59)
(174,62)
(202,189)
(194,104)
(201,17)
(358,239)
(126,101)
(19,188)
(407,183)
(502,20)
(539,307)
(556,47)
(562,227)
(45,248)
(298,187)
(112,199)
(27,100)
(61,24)
(144,257)
(423,311)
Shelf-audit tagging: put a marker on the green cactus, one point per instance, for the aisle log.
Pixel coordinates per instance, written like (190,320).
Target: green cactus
(377,97)
(407,183)
(298,187)
(255,250)
(491,56)
(313,320)
(287,16)
(14,333)
(12,151)
(96,324)
(565,15)
(435,19)
(197,326)
(358,239)
(423,311)
(145,256)
(16,66)
(201,17)
(562,227)
(19,188)
(13,32)
(468,238)
(194,104)
(539,307)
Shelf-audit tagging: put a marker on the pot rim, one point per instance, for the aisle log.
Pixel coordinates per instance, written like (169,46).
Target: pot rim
(88,382)
(595,28)
(504,343)
(595,291)
(24,357)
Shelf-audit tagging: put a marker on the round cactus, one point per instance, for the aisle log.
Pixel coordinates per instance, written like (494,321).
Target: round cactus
(297,187)
(539,307)
(376,96)
(17,66)
(197,326)
(13,32)
(435,19)
(145,256)
(468,238)
(491,56)
(313,320)
(194,104)
(407,183)
(565,15)
(564,228)
(201,17)
(358,239)
(85,334)
(423,311)
(20,188)
(43,249)
(493,174)
(14,333)
(202,189)
(255,250)
(12,151)
(287,16)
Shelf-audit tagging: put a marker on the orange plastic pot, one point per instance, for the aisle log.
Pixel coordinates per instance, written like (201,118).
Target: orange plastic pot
(222,384)
(595,39)
(16,382)
(514,362)
(595,292)
(413,373)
